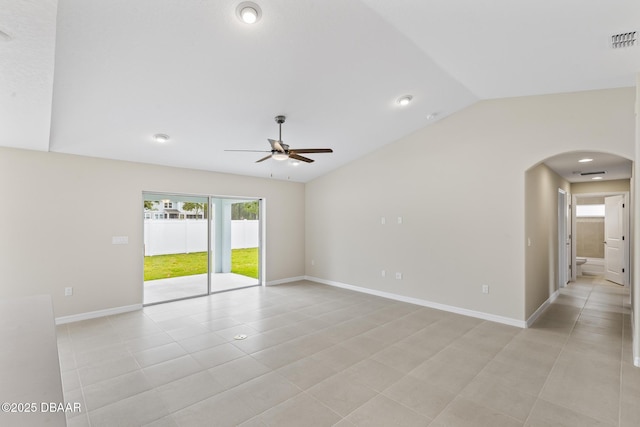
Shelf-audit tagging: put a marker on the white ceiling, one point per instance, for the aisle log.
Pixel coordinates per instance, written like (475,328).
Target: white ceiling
(99,78)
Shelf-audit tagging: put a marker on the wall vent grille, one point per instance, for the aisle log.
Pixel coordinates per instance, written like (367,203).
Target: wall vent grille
(624,40)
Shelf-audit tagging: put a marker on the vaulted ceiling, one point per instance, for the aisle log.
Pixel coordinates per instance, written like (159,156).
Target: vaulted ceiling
(100,78)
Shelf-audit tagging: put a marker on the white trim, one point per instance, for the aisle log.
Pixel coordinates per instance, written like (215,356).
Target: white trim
(283,281)
(99,313)
(452,309)
(531,320)
(636,361)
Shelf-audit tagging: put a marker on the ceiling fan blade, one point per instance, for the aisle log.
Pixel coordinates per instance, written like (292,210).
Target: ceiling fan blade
(276,145)
(263,159)
(311,150)
(301,158)
(252,151)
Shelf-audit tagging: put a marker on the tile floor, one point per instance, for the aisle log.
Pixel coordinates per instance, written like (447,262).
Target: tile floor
(321,356)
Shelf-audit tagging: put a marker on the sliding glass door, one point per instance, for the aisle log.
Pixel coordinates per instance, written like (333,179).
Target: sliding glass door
(197,245)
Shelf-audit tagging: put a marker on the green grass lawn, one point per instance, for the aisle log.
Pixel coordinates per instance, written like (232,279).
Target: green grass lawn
(243,261)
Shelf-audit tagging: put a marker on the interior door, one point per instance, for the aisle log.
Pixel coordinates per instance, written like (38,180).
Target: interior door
(564,243)
(614,239)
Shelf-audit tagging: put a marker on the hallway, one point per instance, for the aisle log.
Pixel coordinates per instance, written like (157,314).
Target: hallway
(593,373)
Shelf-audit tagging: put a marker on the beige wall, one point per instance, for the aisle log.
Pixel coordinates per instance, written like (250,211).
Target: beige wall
(60,212)
(635,230)
(589,237)
(541,229)
(618,185)
(459,185)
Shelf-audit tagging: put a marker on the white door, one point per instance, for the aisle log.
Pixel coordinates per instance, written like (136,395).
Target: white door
(614,239)
(564,244)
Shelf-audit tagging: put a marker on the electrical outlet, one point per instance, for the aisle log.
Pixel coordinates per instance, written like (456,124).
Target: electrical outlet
(399,220)
(68,292)
(485,289)
(399,276)
(383,273)
(383,220)
(313,262)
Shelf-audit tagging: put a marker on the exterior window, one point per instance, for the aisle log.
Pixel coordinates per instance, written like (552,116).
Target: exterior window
(158,216)
(168,205)
(589,211)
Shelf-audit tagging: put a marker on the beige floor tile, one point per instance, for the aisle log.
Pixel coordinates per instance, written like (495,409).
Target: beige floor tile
(238,371)
(225,409)
(517,377)
(586,385)
(217,355)
(421,396)
(106,370)
(165,372)
(79,421)
(109,391)
(137,410)
(189,390)
(159,354)
(401,359)
(492,393)
(167,421)
(148,341)
(301,410)
(546,414)
(278,356)
(306,372)
(373,374)
(338,357)
(451,377)
(341,394)
(465,413)
(382,411)
(201,342)
(267,391)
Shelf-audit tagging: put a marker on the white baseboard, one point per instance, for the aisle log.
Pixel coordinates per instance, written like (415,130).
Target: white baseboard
(452,309)
(531,320)
(95,314)
(283,281)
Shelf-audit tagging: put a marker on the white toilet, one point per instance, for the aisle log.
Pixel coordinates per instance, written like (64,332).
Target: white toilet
(579,262)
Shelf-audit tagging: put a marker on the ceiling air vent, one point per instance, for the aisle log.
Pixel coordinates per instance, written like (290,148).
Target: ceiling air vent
(624,40)
(593,173)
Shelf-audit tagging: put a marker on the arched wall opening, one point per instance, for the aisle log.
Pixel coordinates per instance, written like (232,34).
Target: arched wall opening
(545,182)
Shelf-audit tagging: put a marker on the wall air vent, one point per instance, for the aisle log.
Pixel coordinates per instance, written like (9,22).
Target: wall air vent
(624,40)
(593,173)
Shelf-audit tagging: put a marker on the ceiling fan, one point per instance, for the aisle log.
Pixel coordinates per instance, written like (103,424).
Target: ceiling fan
(281,151)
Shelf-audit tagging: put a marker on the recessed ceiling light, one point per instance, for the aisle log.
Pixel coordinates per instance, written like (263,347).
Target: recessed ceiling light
(249,12)
(585,160)
(161,138)
(597,177)
(403,101)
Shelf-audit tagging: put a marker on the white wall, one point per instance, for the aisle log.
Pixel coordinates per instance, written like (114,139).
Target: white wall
(474,158)
(50,239)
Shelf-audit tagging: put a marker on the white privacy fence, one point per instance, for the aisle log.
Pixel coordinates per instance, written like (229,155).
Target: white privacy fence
(173,236)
